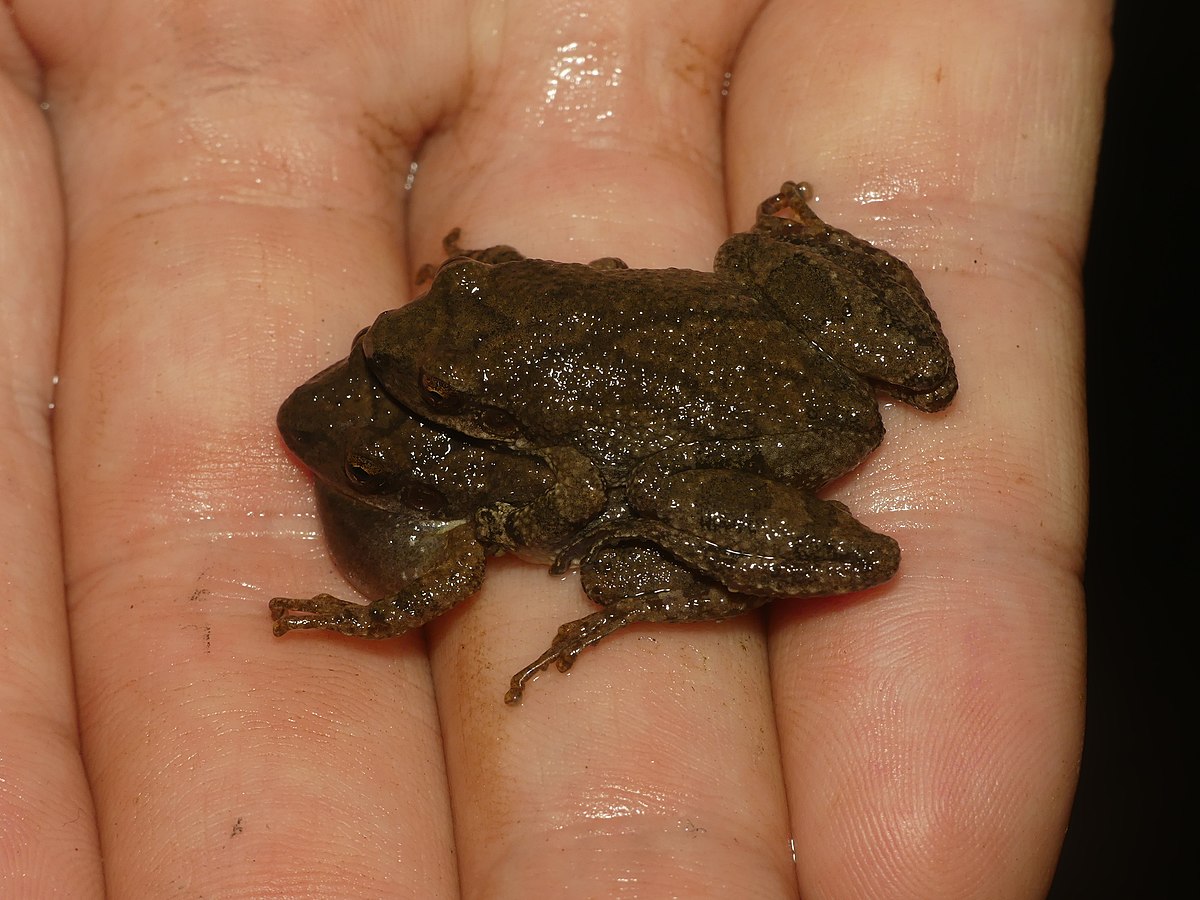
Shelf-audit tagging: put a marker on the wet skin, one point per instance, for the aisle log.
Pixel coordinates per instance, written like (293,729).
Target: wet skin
(663,430)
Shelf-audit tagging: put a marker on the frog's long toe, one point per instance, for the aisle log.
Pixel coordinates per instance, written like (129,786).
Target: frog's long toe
(322,611)
(516,687)
(575,636)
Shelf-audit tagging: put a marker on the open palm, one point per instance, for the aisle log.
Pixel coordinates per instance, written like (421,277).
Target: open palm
(246,185)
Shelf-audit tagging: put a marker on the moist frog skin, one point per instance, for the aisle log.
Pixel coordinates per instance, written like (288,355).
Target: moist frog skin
(665,431)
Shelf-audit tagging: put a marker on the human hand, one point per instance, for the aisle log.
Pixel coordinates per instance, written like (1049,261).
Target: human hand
(234,183)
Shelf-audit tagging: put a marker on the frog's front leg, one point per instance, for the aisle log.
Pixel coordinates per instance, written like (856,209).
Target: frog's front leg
(634,583)
(456,575)
(501,253)
(497,254)
(577,495)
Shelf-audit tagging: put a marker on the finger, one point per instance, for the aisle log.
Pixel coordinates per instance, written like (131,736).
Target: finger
(931,732)
(653,761)
(48,842)
(234,218)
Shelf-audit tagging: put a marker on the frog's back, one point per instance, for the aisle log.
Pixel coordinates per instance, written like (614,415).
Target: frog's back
(638,359)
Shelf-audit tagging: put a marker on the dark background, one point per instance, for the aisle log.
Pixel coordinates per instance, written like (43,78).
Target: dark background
(1131,813)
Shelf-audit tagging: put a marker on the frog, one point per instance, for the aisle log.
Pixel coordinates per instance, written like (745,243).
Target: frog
(672,426)
(407,509)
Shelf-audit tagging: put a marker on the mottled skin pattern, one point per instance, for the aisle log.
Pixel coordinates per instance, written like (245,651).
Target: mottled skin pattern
(664,430)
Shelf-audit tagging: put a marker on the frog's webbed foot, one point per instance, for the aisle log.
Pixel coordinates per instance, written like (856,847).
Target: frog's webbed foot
(802,224)
(324,611)
(609,262)
(857,302)
(450,246)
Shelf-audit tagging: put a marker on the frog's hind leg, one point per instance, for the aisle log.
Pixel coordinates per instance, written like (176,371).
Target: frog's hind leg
(634,583)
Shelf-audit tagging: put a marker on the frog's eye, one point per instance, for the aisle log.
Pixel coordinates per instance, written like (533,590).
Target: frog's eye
(367,470)
(497,423)
(438,393)
(422,498)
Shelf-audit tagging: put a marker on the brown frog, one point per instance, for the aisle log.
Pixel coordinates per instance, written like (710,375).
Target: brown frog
(665,430)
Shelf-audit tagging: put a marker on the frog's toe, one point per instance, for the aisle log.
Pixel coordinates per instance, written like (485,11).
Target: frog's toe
(578,635)
(322,611)
(516,687)
(562,652)
(284,614)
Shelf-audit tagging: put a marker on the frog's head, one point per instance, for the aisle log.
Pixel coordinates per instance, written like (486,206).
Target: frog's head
(324,417)
(389,485)
(431,355)
(383,524)
(358,442)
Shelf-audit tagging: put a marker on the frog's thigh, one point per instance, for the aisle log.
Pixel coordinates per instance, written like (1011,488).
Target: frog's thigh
(631,574)
(808,458)
(456,575)
(759,536)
